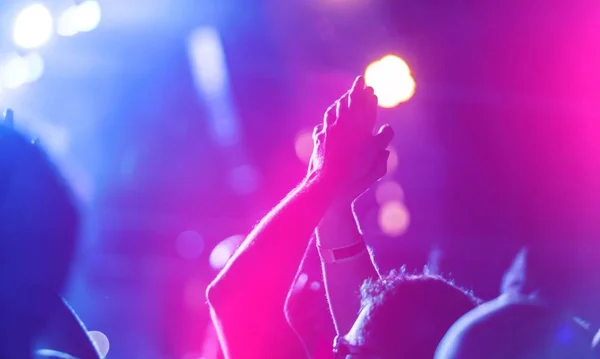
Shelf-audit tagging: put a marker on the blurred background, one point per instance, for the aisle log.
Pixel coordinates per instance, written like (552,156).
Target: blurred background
(180,123)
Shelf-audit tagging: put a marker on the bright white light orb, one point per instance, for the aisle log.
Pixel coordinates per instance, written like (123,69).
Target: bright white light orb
(391,79)
(33,27)
(84,17)
(67,23)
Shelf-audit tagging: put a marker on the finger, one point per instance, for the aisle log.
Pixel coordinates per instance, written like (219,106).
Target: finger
(370,111)
(384,136)
(342,106)
(317,130)
(357,92)
(370,90)
(9,117)
(329,118)
(359,84)
(378,169)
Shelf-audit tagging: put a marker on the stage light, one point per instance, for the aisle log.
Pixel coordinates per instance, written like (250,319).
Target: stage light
(33,27)
(393,218)
(391,79)
(208,60)
(100,341)
(211,78)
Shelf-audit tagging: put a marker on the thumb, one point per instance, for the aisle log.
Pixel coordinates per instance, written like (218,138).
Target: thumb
(378,169)
(384,136)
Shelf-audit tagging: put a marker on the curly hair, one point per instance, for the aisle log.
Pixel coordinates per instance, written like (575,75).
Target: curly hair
(407,314)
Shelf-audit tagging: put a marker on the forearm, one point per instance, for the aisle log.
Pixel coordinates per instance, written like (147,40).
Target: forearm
(343,279)
(306,308)
(255,282)
(274,248)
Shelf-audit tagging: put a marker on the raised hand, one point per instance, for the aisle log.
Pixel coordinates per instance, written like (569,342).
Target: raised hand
(346,152)
(8,117)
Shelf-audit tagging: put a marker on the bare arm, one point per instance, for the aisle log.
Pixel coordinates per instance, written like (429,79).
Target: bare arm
(339,229)
(343,279)
(247,297)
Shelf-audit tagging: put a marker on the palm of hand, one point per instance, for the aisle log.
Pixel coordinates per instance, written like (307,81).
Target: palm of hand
(346,150)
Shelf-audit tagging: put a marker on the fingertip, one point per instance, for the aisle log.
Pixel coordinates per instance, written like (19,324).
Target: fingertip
(386,154)
(317,129)
(386,131)
(9,116)
(359,83)
(329,117)
(375,100)
(382,166)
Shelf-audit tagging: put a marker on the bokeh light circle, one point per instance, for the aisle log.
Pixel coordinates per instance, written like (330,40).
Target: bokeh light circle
(244,179)
(190,245)
(389,191)
(194,294)
(89,15)
(393,218)
(304,145)
(223,251)
(33,27)
(100,341)
(392,162)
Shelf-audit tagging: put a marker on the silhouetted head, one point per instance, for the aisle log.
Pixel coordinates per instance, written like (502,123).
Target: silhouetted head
(38,232)
(560,274)
(516,328)
(405,316)
(543,292)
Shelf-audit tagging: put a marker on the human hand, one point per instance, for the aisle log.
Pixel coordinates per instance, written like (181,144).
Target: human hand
(8,118)
(346,152)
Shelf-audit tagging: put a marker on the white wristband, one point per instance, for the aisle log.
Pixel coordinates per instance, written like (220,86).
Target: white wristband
(342,254)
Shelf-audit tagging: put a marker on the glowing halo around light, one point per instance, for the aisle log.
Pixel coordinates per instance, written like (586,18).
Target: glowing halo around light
(391,79)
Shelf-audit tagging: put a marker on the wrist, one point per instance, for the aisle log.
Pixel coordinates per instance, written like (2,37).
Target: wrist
(339,213)
(322,186)
(324,183)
